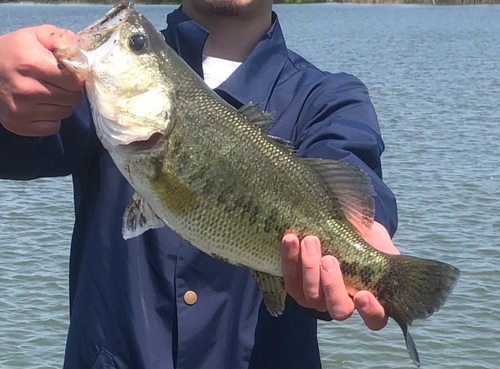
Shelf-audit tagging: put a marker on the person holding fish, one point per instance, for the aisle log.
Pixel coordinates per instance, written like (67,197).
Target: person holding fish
(239,277)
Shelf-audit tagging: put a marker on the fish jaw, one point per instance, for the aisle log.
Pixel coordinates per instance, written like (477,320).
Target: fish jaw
(74,59)
(89,44)
(127,104)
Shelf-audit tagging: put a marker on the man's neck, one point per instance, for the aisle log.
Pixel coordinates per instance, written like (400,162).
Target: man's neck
(231,37)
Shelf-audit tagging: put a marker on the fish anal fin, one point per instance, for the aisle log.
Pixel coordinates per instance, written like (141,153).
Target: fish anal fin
(351,188)
(273,292)
(138,218)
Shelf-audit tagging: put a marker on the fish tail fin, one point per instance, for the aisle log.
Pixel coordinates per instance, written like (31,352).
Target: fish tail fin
(415,288)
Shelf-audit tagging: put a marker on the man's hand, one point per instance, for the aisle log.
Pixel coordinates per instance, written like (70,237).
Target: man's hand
(36,92)
(316,282)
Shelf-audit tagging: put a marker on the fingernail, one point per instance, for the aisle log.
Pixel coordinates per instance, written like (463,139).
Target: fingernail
(328,263)
(311,245)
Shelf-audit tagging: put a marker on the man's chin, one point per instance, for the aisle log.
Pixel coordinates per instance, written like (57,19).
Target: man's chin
(224,8)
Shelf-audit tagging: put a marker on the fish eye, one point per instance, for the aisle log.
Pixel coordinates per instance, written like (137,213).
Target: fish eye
(138,42)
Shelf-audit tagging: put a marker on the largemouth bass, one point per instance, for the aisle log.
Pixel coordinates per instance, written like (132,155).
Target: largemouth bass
(211,173)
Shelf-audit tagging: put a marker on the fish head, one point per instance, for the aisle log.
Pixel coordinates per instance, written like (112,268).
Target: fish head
(119,57)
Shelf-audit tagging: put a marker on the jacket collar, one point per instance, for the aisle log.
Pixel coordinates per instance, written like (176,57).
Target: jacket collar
(253,80)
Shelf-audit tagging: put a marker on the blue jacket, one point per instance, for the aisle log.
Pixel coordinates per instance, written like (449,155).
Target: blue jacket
(127,297)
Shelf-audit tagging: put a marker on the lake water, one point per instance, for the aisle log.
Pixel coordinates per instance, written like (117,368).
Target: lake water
(433,75)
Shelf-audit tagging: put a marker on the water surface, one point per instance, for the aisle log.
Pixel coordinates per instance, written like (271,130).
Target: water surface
(433,75)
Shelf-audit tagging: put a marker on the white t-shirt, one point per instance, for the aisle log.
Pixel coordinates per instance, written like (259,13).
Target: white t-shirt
(216,70)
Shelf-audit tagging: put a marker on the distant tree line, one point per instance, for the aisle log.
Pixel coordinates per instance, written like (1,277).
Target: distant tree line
(435,2)
(91,1)
(423,2)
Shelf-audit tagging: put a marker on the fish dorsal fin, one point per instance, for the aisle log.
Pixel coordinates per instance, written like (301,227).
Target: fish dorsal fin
(138,218)
(264,121)
(352,189)
(261,119)
(281,142)
(273,291)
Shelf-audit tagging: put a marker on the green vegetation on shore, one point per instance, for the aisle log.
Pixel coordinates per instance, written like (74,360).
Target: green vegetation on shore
(423,2)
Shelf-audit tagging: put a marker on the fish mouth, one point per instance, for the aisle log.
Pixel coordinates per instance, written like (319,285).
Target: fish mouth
(148,144)
(111,17)
(75,56)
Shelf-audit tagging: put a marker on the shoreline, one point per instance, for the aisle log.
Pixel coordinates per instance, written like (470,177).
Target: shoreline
(177,2)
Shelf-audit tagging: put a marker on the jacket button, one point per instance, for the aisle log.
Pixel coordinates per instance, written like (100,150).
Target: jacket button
(190,297)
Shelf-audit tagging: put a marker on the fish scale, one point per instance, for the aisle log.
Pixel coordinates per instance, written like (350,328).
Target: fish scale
(254,215)
(210,173)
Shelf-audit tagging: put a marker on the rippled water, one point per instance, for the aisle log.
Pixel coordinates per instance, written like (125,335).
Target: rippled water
(433,74)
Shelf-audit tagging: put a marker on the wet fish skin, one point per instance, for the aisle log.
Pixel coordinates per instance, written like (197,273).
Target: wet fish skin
(213,176)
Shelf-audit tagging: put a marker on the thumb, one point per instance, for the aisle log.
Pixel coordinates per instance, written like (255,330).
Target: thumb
(380,239)
(52,37)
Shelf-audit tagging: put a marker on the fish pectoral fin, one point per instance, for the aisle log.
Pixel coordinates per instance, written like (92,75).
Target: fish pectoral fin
(273,292)
(261,119)
(138,218)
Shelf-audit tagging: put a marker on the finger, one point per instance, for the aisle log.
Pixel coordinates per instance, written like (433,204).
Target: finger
(370,310)
(53,112)
(291,267)
(32,91)
(41,112)
(310,256)
(36,129)
(49,68)
(52,72)
(50,94)
(380,239)
(338,302)
(61,77)
(52,37)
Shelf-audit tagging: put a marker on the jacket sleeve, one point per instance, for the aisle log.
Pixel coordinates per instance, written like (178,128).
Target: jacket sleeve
(24,158)
(338,121)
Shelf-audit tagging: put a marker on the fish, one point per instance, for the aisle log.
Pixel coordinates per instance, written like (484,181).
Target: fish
(211,173)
